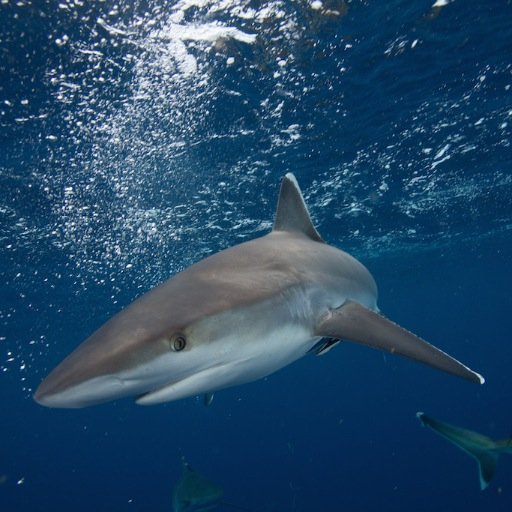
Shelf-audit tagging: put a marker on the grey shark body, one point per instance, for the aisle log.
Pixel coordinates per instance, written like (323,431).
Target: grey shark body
(235,317)
(483,449)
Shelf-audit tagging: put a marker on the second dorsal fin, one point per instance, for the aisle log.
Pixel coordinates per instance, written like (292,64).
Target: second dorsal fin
(292,213)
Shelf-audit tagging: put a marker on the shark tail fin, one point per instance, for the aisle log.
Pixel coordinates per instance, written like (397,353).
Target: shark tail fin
(292,213)
(481,448)
(486,466)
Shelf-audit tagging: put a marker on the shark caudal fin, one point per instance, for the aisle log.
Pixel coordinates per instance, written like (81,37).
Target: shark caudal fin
(482,448)
(292,213)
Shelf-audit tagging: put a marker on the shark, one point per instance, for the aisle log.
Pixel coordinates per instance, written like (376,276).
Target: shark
(483,449)
(235,317)
(194,492)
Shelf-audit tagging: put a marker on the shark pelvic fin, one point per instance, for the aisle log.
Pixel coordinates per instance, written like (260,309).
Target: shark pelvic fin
(208,399)
(292,213)
(354,322)
(482,448)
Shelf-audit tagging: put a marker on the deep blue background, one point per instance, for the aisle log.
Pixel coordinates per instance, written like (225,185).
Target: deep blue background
(109,188)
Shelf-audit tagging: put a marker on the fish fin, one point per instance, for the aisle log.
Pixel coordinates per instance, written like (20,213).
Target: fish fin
(486,466)
(292,213)
(477,445)
(354,322)
(323,346)
(208,399)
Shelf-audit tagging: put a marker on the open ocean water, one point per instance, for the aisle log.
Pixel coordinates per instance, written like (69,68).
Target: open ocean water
(137,137)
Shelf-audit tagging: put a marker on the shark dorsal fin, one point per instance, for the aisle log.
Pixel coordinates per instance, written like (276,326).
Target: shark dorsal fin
(292,213)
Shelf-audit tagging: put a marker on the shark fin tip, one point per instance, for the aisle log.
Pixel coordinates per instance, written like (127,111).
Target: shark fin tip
(483,484)
(420,415)
(290,176)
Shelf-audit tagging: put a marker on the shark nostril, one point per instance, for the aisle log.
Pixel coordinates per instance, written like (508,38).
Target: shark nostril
(178,342)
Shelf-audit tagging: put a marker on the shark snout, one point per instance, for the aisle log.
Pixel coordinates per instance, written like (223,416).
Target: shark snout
(74,387)
(45,393)
(54,389)
(103,369)
(96,372)
(52,399)
(89,392)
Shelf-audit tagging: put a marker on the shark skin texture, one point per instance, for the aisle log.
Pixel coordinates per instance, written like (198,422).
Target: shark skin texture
(483,449)
(235,317)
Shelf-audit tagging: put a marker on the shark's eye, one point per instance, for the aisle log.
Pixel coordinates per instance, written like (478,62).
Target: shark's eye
(178,342)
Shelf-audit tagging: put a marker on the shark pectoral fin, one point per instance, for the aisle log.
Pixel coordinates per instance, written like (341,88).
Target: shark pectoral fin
(208,399)
(354,322)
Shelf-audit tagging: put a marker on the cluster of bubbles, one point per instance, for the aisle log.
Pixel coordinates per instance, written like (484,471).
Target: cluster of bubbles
(154,134)
(148,131)
(163,116)
(167,117)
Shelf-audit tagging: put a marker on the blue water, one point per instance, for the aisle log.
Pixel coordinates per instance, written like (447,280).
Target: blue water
(139,137)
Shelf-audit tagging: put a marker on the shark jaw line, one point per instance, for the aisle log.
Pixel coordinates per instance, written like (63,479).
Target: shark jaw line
(90,392)
(131,382)
(283,346)
(174,376)
(240,357)
(199,382)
